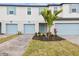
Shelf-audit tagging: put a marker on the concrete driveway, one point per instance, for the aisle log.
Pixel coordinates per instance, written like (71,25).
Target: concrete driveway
(72,38)
(15,47)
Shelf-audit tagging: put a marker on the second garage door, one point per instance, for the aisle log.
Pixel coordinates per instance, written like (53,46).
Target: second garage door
(29,28)
(11,28)
(67,29)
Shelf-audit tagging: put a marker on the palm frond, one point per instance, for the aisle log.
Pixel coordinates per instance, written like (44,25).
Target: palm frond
(49,17)
(59,11)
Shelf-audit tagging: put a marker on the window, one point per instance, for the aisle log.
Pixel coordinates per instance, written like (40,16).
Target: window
(55,9)
(11,10)
(28,11)
(74,8)
(40,9)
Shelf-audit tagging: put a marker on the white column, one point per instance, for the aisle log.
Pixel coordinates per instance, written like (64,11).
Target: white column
(3,27)
(37,27)
(20,26)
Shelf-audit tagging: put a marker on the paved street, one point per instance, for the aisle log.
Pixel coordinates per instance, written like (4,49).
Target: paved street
(15,47)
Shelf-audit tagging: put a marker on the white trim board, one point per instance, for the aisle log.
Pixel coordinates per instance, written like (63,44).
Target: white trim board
(66,22)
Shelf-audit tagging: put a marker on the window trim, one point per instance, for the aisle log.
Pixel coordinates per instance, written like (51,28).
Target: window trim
(29,10)
(71,7)
(14,11)
(41,9)
(55,9)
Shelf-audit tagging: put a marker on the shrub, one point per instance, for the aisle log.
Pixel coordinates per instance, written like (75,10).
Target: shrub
(35,36)
(19,33)
(39,34)
(43,34)
(44,37)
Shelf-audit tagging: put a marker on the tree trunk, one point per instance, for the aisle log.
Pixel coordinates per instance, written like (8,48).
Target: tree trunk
(49,33)
(49,29)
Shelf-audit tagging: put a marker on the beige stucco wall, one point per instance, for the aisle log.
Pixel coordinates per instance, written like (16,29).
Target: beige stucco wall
(22,18)
(66,12)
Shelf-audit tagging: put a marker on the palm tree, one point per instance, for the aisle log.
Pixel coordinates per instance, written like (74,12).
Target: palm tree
(49,17)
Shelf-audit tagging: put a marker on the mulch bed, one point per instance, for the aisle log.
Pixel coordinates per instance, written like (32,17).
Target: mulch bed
(44,37)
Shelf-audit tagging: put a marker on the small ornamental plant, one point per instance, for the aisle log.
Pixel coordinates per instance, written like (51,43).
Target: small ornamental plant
(19,33)
(49,18)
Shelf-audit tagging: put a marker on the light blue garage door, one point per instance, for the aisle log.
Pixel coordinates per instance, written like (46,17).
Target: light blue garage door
(42,27)
(29,28)
(67,29)
(11,28)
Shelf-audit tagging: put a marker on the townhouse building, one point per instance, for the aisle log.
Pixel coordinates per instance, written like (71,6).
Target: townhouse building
(26,18)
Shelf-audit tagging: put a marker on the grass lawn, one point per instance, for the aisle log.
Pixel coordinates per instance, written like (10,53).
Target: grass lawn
(51,48)
(3,39)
